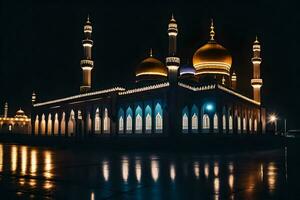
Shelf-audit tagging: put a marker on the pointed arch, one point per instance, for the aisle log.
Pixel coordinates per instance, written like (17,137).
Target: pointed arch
(121,120)
(239,124)
(216,124)
(89,123)
(158,118)
(244,124)
(43,125)
(148,119)
(185,120)
(71,123)
(250,124)
(205,122)
(97,121)
(106,121)
(49,124)
(138,120)
(129,120)
(55,130)
(230,124)
(36,125)
(63,124)
(255,125)
(195,122)
(224,123)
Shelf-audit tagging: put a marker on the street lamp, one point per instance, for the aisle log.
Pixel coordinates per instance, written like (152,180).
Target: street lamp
(273,119)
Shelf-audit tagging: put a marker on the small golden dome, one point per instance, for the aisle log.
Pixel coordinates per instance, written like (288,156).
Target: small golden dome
(20,114)
(212,58)
(151,66)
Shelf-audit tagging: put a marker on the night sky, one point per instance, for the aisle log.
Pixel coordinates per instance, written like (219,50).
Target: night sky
(40,45)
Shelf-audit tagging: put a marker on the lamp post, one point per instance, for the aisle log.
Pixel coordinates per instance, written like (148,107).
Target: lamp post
(273,119)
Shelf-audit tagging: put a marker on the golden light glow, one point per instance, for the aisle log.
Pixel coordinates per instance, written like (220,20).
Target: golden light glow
(152,73)
(48,164)
(151,66)
(206,170)
(272,174)
(172,172)
(14,158)
(231,181)
(125,169)
(92,196)
(1,157)
(24,159)
(154,170)
(33,162)
(216,169)
(105,170)
(273,118)
(138,170)
(196,170)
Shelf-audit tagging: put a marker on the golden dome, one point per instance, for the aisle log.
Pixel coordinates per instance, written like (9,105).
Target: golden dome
(20,114)
(151,66)
(212,58)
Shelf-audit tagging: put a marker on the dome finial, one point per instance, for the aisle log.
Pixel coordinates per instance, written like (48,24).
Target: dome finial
(88,19)
(172,18)
(212,32)
(256,40)
(151,53)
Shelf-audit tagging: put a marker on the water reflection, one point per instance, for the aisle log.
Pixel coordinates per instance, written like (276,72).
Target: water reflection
(37,170)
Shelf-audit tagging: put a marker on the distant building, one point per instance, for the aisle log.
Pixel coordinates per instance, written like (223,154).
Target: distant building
(20,123)
(168,99)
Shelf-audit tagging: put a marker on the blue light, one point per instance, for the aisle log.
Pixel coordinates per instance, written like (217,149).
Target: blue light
(209,107)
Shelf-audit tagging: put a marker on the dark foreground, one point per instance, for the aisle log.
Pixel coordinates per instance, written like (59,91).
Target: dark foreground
(28,172)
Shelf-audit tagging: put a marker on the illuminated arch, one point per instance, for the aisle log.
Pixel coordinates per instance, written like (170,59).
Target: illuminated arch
(129,120)
(63,124)
(55,130)
(49,124)
(158,118)
(239,124)
(106,121)
(216,124)
(230,124)
(121,120)
(148,114)
(194,118)
(43,125)
(255,125)
(36,125)
(138,120)
(205,122)
(250,124)
(89,123)
(97,121)
(185,120)
(224,123)
(244,124)
(71,123)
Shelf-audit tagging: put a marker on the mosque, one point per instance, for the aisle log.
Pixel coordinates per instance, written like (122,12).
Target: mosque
(168,99)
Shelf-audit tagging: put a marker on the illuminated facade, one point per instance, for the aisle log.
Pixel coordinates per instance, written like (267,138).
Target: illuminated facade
(20,123)
(168,99)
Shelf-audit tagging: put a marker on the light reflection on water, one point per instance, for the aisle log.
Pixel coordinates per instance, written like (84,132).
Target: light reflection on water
(55,172)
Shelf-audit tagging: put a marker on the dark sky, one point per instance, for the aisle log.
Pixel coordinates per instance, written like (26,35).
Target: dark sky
(40,45)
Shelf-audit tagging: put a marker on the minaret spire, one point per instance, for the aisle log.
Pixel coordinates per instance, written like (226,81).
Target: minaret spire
(87,63)
(256,81)
(233,80)
(151,53)
(212,31)
(5,109)
(172,61)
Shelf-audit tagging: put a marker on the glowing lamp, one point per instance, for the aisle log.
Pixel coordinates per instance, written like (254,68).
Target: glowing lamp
(209,107)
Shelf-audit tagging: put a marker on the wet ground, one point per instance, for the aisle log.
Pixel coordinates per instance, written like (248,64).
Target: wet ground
(47,173)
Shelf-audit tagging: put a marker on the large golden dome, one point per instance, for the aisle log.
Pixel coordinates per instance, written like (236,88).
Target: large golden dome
(212,58)
(151,67)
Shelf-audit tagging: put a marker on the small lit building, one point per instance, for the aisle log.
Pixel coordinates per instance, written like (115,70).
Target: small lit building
(168,99)
(20,123)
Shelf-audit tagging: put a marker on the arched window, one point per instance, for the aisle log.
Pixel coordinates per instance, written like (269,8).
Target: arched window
(106,121)
(55,131)
(89,122)
(121,120)
(49,125)
(158,118)
(63,124)
(138,124)
(244,124)
(43,125)
(148,114)
(216,124)
(185,123)
(195,122)
(224,123)
(138,120)
(255,125)
(36,125)
(97,121)
(250,124)
(129,120)
(185,120)
(230,123)
(205,121)
(239,124)
(71,123)
(121,124)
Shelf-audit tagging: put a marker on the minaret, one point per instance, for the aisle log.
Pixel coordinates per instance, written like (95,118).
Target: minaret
(172,61)
(233,81)
(33,98)
(87,63)
(256,81)
(5,109)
